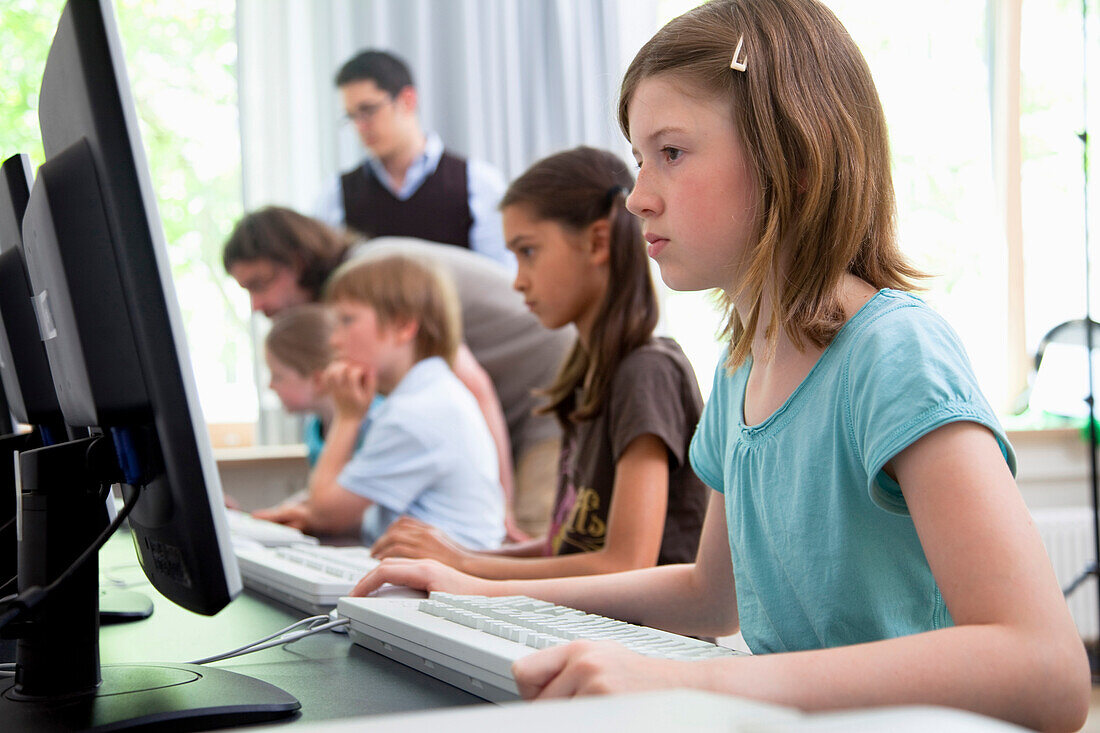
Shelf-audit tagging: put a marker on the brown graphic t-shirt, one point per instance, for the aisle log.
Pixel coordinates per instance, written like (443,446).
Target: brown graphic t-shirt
(653,392)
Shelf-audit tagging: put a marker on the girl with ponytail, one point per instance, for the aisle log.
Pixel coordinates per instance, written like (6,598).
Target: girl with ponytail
(628,402)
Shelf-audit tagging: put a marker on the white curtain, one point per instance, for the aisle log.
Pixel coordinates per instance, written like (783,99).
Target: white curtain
(505,81)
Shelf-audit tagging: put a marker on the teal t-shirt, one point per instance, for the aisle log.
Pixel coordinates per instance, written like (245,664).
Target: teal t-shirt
(314,437)
(824,551)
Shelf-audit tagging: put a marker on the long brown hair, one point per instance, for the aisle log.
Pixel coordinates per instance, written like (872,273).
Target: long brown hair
(812,126)
(576,188)
(283,235)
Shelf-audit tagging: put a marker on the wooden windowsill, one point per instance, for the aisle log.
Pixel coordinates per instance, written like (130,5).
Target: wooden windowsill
(255,453)
(1042,433)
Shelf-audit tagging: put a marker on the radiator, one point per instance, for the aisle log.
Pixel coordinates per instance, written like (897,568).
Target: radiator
(1067,534)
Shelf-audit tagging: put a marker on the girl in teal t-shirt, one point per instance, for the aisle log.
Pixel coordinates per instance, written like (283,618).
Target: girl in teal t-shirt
(865,532)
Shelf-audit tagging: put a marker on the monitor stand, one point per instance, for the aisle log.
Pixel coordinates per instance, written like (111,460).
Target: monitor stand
(115,606)
(10,446)
(59,684)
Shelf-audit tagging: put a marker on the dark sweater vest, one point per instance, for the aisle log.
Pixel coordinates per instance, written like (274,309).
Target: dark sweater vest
(438,211)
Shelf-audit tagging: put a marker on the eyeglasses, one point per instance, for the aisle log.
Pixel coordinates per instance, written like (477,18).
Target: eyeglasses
(364,112)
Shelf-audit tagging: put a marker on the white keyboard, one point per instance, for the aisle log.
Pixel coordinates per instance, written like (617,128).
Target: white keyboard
(310,578)
(472,641)
(243,525)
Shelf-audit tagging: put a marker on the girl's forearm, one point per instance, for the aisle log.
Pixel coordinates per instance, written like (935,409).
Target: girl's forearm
(991,669)
(670,597)
(528,548)
(502,566)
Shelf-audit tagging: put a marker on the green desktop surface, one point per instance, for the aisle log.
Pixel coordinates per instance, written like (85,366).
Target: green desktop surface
(330,676)
(341,686)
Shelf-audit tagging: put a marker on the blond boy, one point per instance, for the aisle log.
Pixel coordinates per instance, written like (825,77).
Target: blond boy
(427,452)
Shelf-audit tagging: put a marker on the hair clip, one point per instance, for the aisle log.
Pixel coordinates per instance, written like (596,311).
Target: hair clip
(734,63)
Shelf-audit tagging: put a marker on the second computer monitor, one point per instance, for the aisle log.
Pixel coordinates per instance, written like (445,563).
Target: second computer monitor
(24,370)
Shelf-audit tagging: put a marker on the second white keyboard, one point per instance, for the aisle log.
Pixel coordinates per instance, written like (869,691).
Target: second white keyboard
(268,534)
(309,578)
(472,641)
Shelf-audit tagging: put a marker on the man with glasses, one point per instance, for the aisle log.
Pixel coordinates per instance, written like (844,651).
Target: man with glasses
(409,184)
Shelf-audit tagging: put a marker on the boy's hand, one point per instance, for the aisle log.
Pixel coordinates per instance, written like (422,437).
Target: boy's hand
(352,388)
(408,537)
(298,516)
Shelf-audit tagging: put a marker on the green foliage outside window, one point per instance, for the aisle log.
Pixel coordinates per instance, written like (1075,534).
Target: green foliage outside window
(181,57)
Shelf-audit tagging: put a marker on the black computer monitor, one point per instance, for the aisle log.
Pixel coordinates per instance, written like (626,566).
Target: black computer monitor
(7,422)
(24,369)
(27,387)
(28,384)
(108,315)
(28,394)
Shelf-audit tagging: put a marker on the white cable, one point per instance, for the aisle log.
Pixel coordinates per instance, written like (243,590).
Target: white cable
(317,624)
(108,575)
(269,637)
(287,639)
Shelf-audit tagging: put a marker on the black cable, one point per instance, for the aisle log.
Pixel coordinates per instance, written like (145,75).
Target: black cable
(1089,571)
(127,507)
(4,528)
(31,597)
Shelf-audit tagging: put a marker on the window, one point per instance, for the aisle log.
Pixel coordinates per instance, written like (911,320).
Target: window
(1052,116)
(938,68)
(181,57)
(934,79)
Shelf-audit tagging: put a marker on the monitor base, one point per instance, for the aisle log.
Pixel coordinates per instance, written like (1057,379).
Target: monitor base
(176,696)
(122,606)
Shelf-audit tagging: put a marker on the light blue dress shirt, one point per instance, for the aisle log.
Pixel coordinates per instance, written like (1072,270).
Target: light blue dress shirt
(428,453)
(484,183)
(824,551)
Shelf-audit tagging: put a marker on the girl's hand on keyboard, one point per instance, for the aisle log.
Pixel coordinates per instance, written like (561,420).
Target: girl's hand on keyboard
(411,538)
(428,575)
(592,668)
